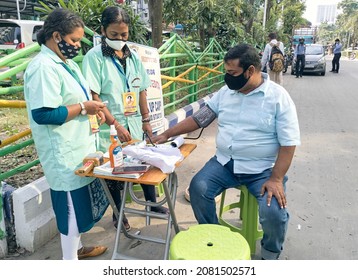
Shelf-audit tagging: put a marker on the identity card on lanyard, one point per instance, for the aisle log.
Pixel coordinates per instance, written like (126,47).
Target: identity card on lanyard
(129,98)
(92,118)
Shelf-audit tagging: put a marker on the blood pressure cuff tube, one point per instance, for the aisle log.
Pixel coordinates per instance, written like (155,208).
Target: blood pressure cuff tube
(204,116)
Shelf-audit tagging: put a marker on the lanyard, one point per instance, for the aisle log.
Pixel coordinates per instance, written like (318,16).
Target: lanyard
(121,71)
(74,75)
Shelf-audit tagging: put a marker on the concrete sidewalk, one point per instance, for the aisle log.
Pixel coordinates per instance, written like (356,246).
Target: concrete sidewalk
(321,191)
(103,233)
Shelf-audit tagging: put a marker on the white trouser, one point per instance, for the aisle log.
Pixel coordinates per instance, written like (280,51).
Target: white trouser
(71,242)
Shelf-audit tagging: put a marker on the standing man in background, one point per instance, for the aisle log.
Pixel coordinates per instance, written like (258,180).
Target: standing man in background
(337,48)
(277,77)
(299,56)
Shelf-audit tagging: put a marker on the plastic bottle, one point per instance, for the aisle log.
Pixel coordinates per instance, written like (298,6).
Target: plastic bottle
(115,149)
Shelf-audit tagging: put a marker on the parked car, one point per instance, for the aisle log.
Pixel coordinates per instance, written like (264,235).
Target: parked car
(17,34)
(315,60)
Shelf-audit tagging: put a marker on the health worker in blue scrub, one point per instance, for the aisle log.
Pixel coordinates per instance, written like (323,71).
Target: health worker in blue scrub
(116,74)
(60,110)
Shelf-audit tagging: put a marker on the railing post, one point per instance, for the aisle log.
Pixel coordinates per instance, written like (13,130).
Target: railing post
(193,76)
(173,63)
(210,82)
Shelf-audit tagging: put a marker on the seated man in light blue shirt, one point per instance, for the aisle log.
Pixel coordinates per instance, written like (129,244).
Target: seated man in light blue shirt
(257,134)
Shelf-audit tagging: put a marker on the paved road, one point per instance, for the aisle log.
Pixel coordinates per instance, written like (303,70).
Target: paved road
(322,189)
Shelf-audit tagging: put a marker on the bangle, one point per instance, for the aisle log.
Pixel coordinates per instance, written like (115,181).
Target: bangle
(146,120)
(117,126)
(114,120)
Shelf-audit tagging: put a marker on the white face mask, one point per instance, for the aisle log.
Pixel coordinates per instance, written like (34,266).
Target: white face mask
(116,44)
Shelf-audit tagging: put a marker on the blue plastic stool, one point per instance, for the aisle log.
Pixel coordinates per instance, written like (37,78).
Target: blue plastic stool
(249,216)
(209,242)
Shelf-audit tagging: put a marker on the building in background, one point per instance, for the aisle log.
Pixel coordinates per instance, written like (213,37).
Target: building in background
(140,7)
(326,13)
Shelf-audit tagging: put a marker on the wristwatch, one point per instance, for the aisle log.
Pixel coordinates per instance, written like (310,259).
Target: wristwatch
(83,109)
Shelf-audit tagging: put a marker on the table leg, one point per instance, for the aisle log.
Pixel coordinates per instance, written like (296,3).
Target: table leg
(173,186)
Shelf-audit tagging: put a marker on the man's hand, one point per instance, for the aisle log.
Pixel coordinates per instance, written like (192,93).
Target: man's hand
(159,139)
(274,188)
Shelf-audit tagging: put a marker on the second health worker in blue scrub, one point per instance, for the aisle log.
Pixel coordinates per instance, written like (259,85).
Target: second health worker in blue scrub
(117,75)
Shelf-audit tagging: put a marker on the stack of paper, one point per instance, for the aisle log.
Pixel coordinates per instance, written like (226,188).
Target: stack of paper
(106,170)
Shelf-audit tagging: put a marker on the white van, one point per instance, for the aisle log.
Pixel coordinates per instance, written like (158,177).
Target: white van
(17,34)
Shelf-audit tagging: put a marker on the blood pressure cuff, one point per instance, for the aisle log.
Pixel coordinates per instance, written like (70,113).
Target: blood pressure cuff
(204,116)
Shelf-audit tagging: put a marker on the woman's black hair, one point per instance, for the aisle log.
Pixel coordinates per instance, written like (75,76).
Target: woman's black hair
(114,14)
(246,54)
(60,20)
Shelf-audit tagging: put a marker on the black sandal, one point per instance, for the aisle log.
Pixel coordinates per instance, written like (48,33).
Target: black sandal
(160,209)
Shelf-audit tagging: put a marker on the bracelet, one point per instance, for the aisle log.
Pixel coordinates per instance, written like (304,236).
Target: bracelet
(117,126)
(114,120)
(146,120)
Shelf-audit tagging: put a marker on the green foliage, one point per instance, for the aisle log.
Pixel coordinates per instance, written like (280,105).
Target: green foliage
(234,21)
(204,19)
(91,13)
(347,22)
(326,33)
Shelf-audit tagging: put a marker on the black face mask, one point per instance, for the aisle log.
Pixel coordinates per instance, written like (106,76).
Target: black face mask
(235,82)
(67,50)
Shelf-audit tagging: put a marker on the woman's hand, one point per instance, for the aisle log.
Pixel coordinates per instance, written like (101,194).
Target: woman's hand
(123,134)
(93,107)
(147,128)
(101,117)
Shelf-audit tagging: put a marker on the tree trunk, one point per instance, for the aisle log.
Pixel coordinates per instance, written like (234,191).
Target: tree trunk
(155,18)
(202,37)
(250,21)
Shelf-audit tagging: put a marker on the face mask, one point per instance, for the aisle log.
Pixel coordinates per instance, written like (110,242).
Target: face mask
(116,44)
(67,50)
(235,82)
(301,42)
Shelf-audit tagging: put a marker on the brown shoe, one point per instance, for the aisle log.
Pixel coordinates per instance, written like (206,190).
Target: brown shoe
(86,252)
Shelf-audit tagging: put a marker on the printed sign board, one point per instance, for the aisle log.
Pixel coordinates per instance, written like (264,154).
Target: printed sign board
(150,59)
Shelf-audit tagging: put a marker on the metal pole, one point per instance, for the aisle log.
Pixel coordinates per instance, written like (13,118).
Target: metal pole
(264,21)
(18,9)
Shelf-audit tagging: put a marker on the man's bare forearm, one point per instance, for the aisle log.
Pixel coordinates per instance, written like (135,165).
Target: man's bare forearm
(283,162)
(185,126)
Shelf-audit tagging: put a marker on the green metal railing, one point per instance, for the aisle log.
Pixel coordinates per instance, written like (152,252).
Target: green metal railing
(186,77)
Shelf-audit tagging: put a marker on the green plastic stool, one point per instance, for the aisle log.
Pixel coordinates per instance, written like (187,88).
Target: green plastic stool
(209,242)
(138,188)
(249,216)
